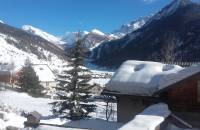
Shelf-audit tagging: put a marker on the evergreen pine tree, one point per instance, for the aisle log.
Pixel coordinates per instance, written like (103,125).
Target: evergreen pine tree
(29,81)
(73,92)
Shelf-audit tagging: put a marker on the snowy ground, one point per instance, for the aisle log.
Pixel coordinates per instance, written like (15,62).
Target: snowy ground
(23,102)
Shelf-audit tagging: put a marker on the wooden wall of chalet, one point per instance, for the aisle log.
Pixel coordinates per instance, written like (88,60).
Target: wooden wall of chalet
(16,76)
(128,107)
(5,78)
(183,96)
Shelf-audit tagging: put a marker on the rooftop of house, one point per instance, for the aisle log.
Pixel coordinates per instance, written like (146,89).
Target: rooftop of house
(144,78)
(44,73)
(5,72)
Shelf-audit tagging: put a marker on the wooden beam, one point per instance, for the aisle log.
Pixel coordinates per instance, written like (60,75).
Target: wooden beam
(181,121)
(28,124)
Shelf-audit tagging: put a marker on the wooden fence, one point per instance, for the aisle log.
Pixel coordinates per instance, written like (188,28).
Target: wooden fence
(183,64)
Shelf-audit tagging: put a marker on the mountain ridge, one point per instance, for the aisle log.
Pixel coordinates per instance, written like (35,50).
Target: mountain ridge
(18,45)
(38,32)
(179,28)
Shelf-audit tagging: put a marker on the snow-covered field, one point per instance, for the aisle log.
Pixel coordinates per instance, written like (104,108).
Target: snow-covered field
(23,102)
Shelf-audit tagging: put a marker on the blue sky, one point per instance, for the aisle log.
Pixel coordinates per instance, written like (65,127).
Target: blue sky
(60,16)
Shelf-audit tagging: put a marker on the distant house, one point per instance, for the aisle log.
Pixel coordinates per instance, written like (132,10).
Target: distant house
(8,73)
(139,84)
(96,89)
(5,76)
(45,74)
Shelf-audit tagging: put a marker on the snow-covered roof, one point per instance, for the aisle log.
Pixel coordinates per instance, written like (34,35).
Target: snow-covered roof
(149,119)
(4,72)
(180,75)
(44,73)
(140,77)
(144,78)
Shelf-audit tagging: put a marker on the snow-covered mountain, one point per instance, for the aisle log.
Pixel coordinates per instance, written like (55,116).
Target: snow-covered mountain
(1,21)
(90,39)
(173,29)
(169,9)
(17,45)
(70,37)
(95,37)
(130,27)
(97,32)
(38,32)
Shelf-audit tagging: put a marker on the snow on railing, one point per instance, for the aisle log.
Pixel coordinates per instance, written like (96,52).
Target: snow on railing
(183,64)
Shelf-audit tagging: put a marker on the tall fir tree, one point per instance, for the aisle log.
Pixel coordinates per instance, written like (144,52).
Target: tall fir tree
(73,92)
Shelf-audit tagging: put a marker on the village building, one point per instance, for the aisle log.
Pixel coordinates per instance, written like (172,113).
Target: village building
(5,76)
(45,74)
(8,73)
(139,84)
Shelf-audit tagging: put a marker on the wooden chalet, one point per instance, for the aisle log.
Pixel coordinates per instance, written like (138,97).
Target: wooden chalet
(176,86)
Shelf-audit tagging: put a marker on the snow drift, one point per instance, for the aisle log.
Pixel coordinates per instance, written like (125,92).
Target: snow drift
(149,119)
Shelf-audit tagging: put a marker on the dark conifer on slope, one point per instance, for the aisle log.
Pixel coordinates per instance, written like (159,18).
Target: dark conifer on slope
(29,81)
(73,91)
